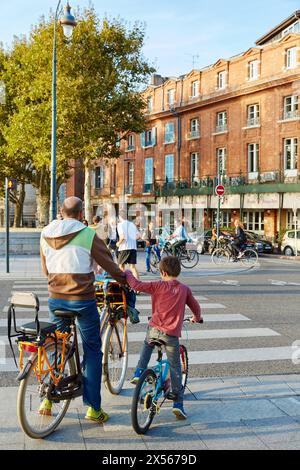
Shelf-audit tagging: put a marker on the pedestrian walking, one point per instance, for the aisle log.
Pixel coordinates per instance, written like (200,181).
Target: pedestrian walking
(151,241)
(127,244)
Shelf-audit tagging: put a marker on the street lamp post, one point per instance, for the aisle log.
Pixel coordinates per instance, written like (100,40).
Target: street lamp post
(68,23)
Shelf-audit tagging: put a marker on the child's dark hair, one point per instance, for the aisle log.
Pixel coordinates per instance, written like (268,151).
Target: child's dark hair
(170,265)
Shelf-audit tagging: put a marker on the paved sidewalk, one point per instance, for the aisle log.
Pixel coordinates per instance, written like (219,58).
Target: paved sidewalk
(229,413)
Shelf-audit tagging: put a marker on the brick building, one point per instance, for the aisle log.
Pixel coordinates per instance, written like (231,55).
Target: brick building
(239,119)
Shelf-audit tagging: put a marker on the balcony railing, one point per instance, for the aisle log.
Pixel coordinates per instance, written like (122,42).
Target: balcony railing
(194,134)
(253,122)
(221,128)
(207,184)
(288,115)
(129,189)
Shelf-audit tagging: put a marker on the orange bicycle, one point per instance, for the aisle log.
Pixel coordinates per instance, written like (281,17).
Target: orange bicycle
(112,305)
(52,371)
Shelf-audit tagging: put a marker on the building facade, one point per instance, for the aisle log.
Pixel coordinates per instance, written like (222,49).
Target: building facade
(236,122)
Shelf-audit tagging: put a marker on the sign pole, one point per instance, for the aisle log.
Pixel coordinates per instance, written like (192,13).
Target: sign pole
(7,225)
(295,213)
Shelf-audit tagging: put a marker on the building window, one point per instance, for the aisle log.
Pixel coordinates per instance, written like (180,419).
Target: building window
(148,138)
(225,218)
(221,122)
(130,142)
(253,70)
(99,177)
(290,107)
(221,80)
(254,221)
(149,104)
(171,97)
(194,167)
(290,221)
(253,118)
(253,158)
(195,89)
(290,154)
(291,58)
(169,133)
(194,129)
(130,177)
(221,161)
(113,179)
(169,168)
(294,28)
(148,179)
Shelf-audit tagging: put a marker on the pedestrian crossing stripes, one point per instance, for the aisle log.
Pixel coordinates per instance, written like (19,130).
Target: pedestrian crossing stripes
(219,326)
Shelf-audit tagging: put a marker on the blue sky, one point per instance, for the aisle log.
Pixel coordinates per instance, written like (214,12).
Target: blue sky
(176,30)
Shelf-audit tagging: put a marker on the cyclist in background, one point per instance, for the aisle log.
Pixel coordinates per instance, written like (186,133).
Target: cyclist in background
(151,241)
(179,237)
(240,238)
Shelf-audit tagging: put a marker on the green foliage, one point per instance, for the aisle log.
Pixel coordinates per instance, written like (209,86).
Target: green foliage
(99,76)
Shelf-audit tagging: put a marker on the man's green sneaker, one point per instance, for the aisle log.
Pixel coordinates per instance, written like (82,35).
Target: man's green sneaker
(97,416)
(46,408)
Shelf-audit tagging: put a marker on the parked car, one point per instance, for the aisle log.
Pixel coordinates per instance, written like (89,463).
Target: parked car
(288,245)
(263,245)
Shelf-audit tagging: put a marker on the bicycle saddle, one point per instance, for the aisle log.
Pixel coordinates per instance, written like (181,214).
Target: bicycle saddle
(66,314)
(156,342)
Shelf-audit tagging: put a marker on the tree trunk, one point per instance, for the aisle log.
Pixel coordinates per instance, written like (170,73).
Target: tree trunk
(19,204)
(43,208)
(87,192)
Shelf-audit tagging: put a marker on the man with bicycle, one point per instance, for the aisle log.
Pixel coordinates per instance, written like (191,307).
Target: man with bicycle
(68,250)
(151,241)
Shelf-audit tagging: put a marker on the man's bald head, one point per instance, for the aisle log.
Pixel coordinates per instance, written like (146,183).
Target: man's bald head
(72,208)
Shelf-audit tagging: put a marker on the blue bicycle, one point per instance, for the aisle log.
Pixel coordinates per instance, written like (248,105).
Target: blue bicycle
(154,388)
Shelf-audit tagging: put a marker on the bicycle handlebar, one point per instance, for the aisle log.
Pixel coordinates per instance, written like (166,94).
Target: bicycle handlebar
(189,319)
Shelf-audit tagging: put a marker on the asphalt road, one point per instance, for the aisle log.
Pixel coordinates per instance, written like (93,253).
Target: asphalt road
(251,321)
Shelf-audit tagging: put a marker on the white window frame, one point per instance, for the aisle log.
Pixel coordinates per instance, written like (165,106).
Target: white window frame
(254,221)
(222,80)
(291,58)
(148,175)
(130,142)
(253,160)
(290,110)
(253,70)
(221,125)
(194,132)
(99,177)
(169,164)
(149,104)
(225,218)
(221,160)
(291,145)
(131,174)
(171,96)
(195,89)
(194,159)
(290,221)
(253,115)
(169,134)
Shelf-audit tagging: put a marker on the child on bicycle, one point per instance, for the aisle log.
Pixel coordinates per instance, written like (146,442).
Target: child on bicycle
(169,298)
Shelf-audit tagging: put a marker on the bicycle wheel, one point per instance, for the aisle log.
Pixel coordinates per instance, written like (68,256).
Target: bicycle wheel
(189,258)
(154,262)
(249,258)
(115,356)
(32,393)
(184,365)
(220,257)
(142,412)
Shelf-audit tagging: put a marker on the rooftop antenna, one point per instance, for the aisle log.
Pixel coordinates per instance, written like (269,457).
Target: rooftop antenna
(195,57)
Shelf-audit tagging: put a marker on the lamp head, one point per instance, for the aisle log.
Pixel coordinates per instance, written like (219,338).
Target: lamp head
(68,22)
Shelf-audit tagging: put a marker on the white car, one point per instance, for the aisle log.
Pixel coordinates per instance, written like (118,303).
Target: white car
(288,243)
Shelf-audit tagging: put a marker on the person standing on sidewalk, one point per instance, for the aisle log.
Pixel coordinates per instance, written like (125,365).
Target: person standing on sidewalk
(68,249)
(127,244)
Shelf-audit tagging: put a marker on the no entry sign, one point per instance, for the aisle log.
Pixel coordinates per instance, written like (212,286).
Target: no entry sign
(220,190)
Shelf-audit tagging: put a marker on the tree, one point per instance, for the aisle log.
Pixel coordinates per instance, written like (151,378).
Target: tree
(99,75)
